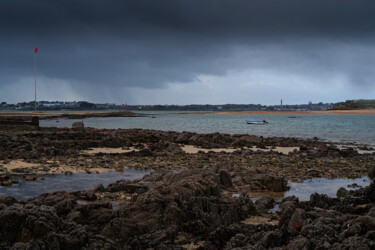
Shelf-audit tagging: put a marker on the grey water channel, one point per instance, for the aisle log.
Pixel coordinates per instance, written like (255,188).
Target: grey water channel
(69,183)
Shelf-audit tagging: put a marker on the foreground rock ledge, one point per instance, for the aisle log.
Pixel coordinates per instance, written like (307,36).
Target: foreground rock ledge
(184,210)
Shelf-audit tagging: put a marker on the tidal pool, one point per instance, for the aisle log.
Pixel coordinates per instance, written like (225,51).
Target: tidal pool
(83,181)
(305,189)
(329,187)
(69,183)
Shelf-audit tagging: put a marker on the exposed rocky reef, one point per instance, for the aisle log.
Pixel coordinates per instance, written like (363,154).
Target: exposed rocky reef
(56,150)
(186,210)
(189,201)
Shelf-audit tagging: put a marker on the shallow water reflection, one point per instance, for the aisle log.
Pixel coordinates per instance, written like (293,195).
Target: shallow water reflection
(323,186)
(75,182)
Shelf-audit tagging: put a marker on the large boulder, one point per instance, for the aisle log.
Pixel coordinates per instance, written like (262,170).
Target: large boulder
(78,126)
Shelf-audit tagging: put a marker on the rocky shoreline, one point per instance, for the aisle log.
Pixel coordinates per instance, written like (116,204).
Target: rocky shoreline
(189,201)
(57,150)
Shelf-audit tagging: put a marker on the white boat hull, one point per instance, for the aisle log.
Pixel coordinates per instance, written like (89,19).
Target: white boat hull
(257,122)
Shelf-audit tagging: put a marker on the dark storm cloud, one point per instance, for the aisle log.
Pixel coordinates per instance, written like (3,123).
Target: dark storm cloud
(197,17)
(151,43)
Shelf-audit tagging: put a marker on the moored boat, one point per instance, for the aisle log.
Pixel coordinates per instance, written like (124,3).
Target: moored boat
(257,122)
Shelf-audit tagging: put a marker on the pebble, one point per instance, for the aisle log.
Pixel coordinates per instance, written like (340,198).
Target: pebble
(30,178)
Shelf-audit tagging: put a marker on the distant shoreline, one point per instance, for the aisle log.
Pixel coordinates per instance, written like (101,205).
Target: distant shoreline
(77,115)
(80,115)
(323,112)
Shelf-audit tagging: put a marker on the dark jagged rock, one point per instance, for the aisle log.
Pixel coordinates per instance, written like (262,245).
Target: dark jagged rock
(225,179)
(4,178)
(165,148)
(85,195)
(62,201)
(7,200)
(342,192)
(99,188)
(6,183)
(260,182)
(265,202)
(371,173)
(184,200)
(30,178)
(124,185)
(322,201)
(296,221)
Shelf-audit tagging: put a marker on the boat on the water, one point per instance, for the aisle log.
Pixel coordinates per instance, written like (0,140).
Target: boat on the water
(257,122)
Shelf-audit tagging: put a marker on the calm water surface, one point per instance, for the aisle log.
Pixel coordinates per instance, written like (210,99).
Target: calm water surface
(323,186)
(347,128)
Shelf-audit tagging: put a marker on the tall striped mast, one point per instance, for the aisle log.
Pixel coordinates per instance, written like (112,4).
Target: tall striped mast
(35,50)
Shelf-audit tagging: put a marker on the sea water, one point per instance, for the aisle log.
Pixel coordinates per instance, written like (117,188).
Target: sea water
(344,127)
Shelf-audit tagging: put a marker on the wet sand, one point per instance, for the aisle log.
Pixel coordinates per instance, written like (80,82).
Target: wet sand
(258,220)
(93,151)
(21,167)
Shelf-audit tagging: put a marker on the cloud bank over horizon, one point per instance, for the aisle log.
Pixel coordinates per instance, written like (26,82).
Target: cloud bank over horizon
(183,52)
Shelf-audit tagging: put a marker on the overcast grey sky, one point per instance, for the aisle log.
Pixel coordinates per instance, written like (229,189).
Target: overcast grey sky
(183,52)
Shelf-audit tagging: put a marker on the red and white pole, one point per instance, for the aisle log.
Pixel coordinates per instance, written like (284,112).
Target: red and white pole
(35,50)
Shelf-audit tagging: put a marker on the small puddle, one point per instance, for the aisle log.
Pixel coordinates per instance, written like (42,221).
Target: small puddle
(69,183)
(324,186)
(361,152)
(115,206)
(275,209)
(305,189)
(370,149)
(177,171)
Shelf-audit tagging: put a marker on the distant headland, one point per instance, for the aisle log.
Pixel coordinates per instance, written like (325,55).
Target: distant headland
(355,105)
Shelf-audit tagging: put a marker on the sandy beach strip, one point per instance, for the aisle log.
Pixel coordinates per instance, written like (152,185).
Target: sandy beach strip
(93,151)
(322,112)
